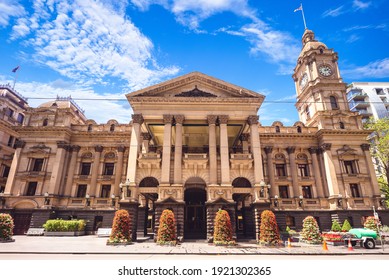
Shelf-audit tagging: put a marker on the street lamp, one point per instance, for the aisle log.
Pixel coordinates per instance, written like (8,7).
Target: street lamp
(276,200)
(2,198)
(340,199)
(87,199)
(382,201)
(47,199)
(113,200)
(301,201)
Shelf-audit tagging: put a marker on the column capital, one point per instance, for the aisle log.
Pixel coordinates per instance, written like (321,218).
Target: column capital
(137,118)
(99,148)
(121,149)
(253,119)
(75,148)
(179,119)
(268,149)
(365,147)
(244,137)
(146,136)
(313,150)
(167,119)
(62,145)
(212,119)
(223,119)
(326,146)
(20,144)
(291,150)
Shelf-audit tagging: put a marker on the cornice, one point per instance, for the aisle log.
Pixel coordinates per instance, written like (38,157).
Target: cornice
(159,99)
(363,132)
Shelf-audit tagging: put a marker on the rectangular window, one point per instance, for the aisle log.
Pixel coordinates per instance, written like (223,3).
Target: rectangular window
(350,166)
(307,191)
(290,222)
(105,191)
(283,190)
(31,188)
(354,188)
(2,189)
(9,112)
(20,118)
(5,170)
(10,141)
(37,164)
(85,168)
(81,191)
(281,170)
(108,168)
(303,170)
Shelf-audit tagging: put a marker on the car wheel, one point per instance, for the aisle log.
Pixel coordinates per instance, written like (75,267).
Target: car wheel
(369,244)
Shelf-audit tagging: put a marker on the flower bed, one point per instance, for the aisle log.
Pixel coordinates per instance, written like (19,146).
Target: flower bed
(334,238)
(64,227)
(6,228)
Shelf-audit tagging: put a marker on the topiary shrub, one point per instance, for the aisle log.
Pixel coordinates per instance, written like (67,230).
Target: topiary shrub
(222,229)
(335,226)
(269,234)
(167,229)
(346,226)
(371,223)
(121,228)
(6,227)
(311,232)
(64,225)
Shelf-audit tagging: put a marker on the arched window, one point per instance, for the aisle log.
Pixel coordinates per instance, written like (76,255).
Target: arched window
(341,125)
(334,103)
(241,182)
(45,122)
(149,182)
(307,112)
(112,128)
(89,128)
(278,129)
(299,129)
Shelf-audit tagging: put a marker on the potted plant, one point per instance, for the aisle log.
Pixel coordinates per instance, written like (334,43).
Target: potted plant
(223,229)
(121,229)
(61,227)
(167,229)
(311,232)
(269,234)
(6,228)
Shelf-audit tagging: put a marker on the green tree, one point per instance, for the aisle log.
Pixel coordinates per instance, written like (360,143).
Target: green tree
(311,232)
(335,226)
(346,226)
(379,148)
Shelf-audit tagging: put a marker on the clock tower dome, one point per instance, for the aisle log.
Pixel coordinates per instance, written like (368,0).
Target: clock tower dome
(321,93)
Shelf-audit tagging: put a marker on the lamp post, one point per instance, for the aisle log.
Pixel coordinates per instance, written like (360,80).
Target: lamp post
(47,199)
(87,200)
(301,200)
(113,200)
(262,184)
(2,198)
(276,200)
(382,200)
(340,199)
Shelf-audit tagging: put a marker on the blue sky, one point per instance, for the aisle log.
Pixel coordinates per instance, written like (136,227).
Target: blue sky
(105,49)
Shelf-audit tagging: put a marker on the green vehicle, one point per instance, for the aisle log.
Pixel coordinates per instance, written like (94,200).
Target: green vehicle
(365,237)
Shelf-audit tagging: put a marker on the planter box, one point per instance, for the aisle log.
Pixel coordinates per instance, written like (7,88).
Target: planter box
(64,233)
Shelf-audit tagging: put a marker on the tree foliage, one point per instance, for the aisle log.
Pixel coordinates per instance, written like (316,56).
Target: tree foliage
(167,228)
(6,226)
(121,228)
(379,143)
(346,226)
(223,229)
(335,226)
(311,232)
(269,233)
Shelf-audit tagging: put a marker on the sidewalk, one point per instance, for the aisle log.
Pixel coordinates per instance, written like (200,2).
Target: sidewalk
(92,244)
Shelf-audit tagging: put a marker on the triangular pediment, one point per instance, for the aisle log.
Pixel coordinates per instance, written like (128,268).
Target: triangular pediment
(194,85)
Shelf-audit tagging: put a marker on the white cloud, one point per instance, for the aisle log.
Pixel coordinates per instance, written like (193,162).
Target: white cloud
(363,27)
(373,70)
(352,38)
(334,12)
(8,9)
(90,42)
(360,5)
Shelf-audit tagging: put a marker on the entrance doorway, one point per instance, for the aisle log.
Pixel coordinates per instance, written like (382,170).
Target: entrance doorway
(195,216)
(22,223)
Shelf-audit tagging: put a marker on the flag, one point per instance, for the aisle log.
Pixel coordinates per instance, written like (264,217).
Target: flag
(15,69)
(299,8)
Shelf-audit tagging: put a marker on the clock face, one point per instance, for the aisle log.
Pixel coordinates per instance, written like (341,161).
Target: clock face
(325,70)
(303,80)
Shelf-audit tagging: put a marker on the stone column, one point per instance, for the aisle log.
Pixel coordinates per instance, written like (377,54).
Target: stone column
(256,149)
(58,166)
(330,171)
(166,150)
(212,150)
(293,170)
(137,120)
(95,171)
(119,171)
(369,163)
(244,137)
(70,190)
(178,150)
(224,153)
(270,170)
(146,140)
(316,171)
(19,145)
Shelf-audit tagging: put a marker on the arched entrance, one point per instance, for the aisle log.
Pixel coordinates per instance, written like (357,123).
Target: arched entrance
(195,214)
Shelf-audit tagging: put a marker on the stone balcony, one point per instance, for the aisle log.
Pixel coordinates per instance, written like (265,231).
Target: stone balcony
(148,160)
(241,161)
(195,160)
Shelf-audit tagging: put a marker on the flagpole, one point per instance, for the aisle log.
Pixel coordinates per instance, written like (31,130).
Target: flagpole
(302,11)
(16,76)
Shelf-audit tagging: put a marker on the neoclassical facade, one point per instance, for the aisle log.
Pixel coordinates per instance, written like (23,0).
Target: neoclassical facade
(195,145)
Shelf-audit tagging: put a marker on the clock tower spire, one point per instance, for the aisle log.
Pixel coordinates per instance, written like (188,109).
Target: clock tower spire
(321,93)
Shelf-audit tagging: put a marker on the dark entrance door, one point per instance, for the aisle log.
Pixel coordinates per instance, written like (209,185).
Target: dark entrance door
(22,223)
(195,217)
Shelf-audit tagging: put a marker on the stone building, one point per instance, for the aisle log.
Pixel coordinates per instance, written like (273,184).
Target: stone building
(195,145)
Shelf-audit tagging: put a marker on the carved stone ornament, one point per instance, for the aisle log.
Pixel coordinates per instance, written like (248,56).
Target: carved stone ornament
(146,136)
(212,119)
(302,156)
(40,146)
(75,148)
(279,156)
(223,119)
(179,119)
(62,145)
(313,150)
(365,147)
(20,144)
(268,149)
(110,155)
(195,93)
(137,118)
(252,119)
(86,155)
(167,119)
(99,148)
(291,150)
(244,137)
(121,149)
(326,146)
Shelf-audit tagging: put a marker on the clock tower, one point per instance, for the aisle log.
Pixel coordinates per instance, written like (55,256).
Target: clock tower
(321,93)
